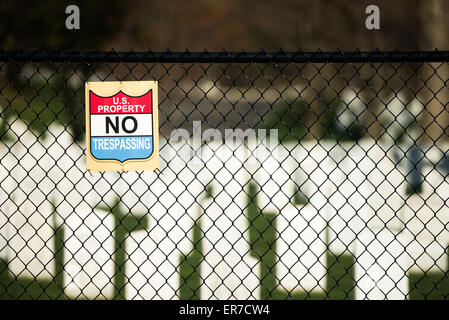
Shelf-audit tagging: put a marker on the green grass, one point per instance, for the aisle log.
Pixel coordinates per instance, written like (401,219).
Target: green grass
(432,285)
(340,276)
(429,285)
(339,279)
(12,288)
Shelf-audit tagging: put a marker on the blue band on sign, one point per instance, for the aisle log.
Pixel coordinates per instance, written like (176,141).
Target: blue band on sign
(121,148)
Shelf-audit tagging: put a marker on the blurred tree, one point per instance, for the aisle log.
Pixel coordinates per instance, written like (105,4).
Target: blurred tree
(312,24)
(31,25)
(213,24)
(179,25)
(28,25)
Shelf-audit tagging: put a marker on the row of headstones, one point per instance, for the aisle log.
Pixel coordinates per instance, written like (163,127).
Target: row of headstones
(357,191)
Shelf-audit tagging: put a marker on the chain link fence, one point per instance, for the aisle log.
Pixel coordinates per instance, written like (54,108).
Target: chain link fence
(283,176)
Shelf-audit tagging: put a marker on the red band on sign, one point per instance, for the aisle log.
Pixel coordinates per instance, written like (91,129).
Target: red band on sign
(120,103)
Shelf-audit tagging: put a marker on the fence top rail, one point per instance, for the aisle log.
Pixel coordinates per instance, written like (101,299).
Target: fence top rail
(224,56)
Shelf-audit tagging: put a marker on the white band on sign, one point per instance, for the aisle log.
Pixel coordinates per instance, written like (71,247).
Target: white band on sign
(121,125)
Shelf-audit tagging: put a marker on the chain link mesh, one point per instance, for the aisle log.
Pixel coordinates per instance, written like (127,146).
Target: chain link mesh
(337,190)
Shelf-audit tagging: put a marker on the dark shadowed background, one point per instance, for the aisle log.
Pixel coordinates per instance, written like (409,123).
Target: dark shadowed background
(232,24)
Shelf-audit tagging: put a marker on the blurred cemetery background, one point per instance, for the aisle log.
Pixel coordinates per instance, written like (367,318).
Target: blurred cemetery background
(348,199)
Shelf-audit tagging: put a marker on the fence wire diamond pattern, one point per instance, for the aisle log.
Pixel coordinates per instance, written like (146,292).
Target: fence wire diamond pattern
(283,176)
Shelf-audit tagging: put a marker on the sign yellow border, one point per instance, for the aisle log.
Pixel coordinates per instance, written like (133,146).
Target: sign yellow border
(131,88)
